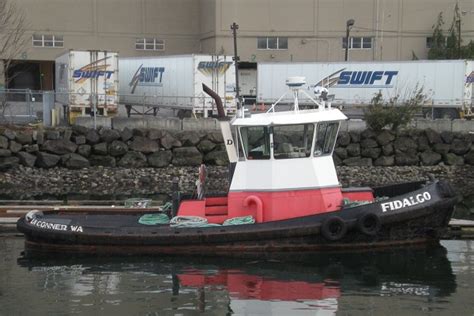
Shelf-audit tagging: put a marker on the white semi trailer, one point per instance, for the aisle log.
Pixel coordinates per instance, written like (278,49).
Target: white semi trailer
(87,80)
(447,84)
(175,82)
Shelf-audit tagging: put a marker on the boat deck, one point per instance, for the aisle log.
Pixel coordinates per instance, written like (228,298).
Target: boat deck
(9,214)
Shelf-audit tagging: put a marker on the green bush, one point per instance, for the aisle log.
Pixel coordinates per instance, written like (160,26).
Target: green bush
(392,114)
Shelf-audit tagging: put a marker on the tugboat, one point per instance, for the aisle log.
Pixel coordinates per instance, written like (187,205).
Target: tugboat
(284,193)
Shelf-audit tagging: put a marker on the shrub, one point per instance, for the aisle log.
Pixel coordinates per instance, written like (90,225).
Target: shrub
(392,114)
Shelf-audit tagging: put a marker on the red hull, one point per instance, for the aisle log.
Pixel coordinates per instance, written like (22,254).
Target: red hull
(271,206)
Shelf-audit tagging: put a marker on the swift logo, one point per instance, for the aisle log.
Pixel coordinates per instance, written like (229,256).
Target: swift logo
(358,79)
(93,70)
(409,201)
(208,67)
(470,78)
(147,76)
(367,78)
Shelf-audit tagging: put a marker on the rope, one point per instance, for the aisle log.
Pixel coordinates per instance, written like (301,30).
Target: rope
(239,221)
(154,219)
(349,203)
(188,221)
(197,221)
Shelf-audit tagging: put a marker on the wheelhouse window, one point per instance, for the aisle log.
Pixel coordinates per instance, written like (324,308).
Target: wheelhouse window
(325,138)
(292,141)
(255,142)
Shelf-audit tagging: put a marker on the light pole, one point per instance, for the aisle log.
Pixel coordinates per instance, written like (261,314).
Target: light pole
(234,27)
(459,37)
(349,25)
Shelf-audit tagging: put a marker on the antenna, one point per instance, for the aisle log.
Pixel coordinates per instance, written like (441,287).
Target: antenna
(295,85)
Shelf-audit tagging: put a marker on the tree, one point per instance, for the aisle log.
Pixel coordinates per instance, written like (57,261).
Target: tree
(449,47)
(12,41)
(12,31)
(438,44)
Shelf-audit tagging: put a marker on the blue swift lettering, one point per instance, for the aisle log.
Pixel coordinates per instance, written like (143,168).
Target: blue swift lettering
(366,78)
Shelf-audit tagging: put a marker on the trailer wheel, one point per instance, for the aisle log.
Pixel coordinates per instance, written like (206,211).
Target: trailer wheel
(333,228)
(427,113)
(446,114)
(128,108)
(184,113)
(369,224)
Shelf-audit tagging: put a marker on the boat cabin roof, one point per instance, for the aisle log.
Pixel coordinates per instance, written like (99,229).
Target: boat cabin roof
(291,117)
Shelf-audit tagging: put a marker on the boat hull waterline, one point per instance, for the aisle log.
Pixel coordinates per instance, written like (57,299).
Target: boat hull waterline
(419,216)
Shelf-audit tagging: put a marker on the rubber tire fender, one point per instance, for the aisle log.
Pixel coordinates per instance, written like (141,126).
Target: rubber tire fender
(445,189)
(369,224)
(333,228)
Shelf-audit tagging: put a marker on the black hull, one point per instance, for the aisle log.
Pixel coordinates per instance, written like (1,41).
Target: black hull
(420,220)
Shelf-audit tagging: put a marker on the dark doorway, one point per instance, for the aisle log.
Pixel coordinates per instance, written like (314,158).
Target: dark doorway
(33,75)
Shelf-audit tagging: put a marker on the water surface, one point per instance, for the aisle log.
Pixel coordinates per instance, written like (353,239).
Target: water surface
(425,281)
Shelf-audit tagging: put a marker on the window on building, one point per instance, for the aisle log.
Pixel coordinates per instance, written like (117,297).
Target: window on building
(358,42)
(272,43)
(366,42)
(149,44)
(48,40)
(429,41)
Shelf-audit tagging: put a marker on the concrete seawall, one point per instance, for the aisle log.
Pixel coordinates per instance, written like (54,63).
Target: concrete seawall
(187,124)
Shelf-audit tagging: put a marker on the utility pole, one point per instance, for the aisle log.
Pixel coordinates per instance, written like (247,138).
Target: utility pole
(459,37)
(349,25)
(234,27)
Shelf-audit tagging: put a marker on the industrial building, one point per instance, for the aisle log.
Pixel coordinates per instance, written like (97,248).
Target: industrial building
(269,30)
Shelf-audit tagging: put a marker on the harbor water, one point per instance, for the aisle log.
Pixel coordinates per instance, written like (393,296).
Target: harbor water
(435,280)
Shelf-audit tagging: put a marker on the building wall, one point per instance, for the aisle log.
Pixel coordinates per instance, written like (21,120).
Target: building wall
(315,28)
(113,25)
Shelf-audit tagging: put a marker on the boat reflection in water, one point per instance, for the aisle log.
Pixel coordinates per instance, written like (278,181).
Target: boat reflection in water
(313,283)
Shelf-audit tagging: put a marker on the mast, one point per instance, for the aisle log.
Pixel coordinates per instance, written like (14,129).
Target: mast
(234,27)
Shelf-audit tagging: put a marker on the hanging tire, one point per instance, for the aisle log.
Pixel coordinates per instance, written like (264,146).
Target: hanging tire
(369,224)
(333,228)
(445,189)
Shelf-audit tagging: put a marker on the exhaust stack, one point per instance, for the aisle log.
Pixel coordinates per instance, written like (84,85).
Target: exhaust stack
(217,99)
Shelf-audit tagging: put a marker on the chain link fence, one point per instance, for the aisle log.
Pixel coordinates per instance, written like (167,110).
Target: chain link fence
(20,106)
(24,106)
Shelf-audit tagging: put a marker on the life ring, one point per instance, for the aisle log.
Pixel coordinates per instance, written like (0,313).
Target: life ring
(369,224)
(333,228)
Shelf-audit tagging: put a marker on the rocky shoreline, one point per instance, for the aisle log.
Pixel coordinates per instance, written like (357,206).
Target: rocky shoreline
(80,147)
(30,183)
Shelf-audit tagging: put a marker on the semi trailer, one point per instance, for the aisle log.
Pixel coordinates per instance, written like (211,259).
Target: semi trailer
(87,82)
(448,85)
(175,82)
